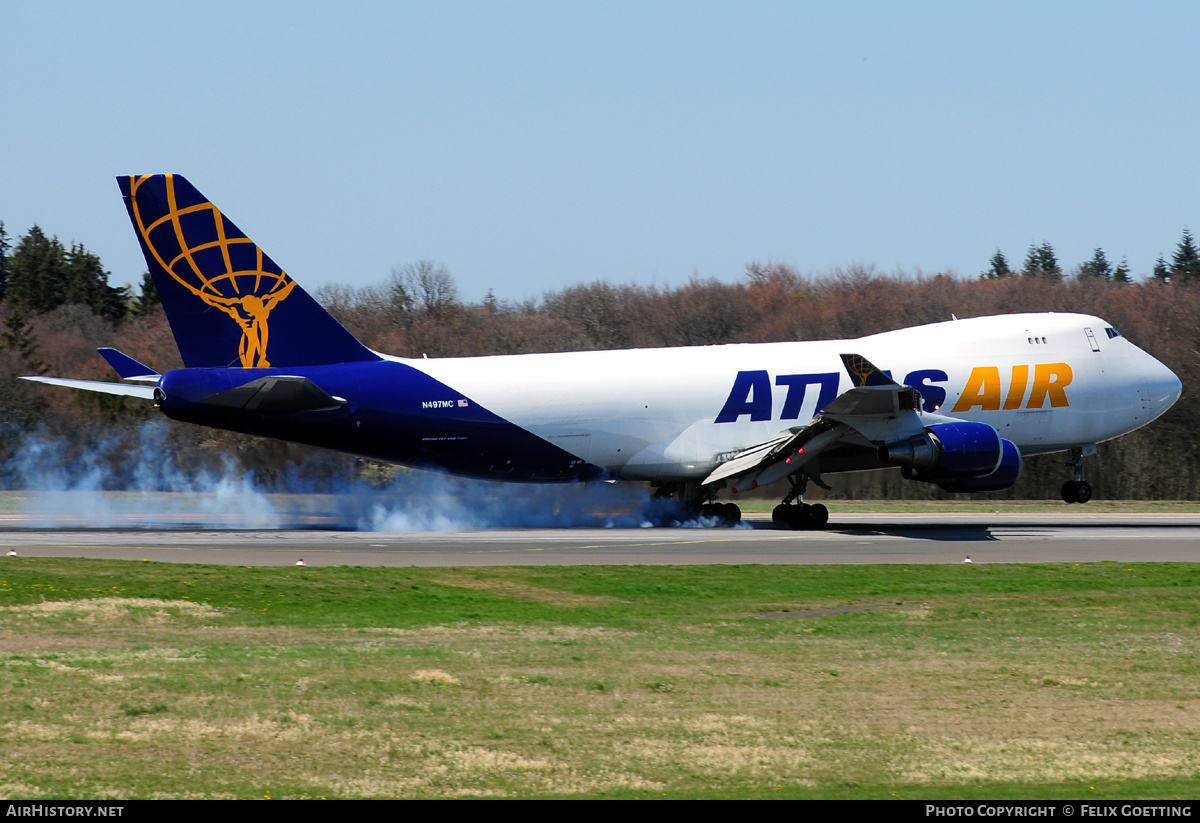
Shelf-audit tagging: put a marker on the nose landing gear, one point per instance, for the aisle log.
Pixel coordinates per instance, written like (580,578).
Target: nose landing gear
(1077,490)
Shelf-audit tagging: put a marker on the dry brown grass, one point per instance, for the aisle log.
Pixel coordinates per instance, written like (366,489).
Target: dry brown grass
(520,589)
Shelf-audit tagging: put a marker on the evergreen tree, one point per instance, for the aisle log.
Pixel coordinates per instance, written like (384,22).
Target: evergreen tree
(1042,262)
(4,247)
(1185,265)
(42,276)
(86,284)
(1161,272)
(1121,273)
(1098,266)
(35,278)
(18,336)
(147,301)
(999,269)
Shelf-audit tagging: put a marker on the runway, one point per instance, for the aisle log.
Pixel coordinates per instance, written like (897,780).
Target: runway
(850,539)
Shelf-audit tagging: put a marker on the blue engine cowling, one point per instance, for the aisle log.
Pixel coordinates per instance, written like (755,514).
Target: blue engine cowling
(1002,477)
(959,457)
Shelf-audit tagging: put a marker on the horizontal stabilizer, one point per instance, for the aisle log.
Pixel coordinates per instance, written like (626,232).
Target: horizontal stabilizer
(277,394)
(127,367)
(144,392)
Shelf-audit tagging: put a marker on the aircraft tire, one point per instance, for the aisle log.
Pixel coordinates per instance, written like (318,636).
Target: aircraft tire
(1083,492)
(818,516)
(1070,492)
(781,517)
(732,513)
(794,518)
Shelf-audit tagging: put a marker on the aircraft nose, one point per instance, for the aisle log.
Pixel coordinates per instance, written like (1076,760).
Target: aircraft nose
(1162,385)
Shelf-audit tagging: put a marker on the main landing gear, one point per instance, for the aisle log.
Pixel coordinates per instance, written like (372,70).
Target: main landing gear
(793,513)
(698,502)
(729,513)
(1077,490)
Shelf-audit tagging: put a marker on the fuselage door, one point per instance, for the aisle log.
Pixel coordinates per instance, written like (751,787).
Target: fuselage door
(1092,340)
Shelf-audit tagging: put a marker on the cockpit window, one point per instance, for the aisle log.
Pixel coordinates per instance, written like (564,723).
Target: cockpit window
(1112,333)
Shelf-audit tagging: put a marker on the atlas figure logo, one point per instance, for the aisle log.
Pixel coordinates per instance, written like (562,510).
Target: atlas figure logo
(192,238)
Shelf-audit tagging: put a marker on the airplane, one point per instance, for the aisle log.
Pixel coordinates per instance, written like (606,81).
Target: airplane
(958,404)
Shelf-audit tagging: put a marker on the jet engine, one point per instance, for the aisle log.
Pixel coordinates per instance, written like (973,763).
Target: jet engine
(959,457)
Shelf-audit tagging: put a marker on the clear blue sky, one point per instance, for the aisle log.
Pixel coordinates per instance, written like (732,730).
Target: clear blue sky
(532,146)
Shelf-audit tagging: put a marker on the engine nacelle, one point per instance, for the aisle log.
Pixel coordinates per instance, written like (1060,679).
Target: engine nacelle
(960,456)
(1003,477)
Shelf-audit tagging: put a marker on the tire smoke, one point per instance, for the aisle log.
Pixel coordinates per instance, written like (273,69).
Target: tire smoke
(116,484)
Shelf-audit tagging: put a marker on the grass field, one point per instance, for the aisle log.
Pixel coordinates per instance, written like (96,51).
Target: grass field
(162,680)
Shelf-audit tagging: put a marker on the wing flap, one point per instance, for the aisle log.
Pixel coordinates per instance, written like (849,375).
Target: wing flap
(746,460)
(781,451)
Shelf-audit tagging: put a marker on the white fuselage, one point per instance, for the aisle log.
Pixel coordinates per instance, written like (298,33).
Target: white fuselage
(1047,382)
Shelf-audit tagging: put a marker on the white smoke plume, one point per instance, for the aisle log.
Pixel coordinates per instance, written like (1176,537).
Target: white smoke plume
(114,486)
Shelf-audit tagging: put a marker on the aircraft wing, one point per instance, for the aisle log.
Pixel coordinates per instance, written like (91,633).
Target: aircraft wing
(144,392)
(876,410)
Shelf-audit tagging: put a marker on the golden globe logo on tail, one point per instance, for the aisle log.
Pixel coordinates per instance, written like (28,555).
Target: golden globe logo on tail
(248,296)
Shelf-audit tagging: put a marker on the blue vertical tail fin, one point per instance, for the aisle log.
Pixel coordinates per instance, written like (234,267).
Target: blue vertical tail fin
(228,303)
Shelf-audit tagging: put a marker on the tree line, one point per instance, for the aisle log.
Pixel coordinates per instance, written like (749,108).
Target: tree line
(1041,261)
(417,311)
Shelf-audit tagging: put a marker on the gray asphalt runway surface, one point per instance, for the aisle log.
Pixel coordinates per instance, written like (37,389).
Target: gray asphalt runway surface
(1014,538)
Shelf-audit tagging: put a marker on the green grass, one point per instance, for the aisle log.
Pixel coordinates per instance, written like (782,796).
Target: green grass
(126,679)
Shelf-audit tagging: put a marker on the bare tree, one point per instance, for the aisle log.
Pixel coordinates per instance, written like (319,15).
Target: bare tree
(425,287)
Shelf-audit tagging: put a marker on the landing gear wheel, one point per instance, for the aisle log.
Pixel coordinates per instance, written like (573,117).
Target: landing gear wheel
(1077,491)
(731,513)
(728,513)
(1083,491)
(1068,491)
(800,516)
